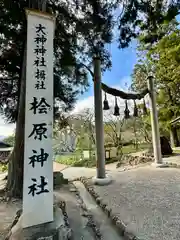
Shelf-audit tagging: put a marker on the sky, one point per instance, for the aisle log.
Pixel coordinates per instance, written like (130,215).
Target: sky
(119,76)
(123,61)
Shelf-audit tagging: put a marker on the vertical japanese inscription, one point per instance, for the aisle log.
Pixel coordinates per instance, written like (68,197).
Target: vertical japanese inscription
(39,106)
(39,158)
(38,165)
(40,51)
(36,188)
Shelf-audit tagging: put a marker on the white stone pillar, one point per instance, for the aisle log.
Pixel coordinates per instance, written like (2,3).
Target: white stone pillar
(38,154)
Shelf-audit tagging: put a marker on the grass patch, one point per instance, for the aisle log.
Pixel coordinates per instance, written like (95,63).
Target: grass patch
(89,163)
(176,151)
(3,168)
(68,159)
(76,160)
(131,149)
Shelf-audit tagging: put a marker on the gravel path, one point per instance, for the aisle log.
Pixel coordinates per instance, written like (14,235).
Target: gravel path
(147,200)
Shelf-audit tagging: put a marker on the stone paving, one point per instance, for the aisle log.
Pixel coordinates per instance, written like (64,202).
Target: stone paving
(75,172)
(105,226)
(86,219)
(147,200)
(59,167)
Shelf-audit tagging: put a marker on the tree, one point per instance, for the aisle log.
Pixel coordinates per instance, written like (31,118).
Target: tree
(113,132)
(139,76)
(82,30)
(140,127)
(163,58)
(144,125)
(10,140)
(87,130)
(168,79)
(83,16)
(145,19)
(135,129)
(69,52)
(82,125)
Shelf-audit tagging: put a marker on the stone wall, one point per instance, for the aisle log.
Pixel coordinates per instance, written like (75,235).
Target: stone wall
(134,160)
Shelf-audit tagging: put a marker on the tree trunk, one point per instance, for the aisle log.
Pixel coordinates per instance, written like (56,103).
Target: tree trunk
(174,137)
(119,152)
(16,161)
(135,135)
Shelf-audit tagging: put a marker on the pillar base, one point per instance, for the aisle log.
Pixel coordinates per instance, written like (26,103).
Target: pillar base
(159,165)
(55,230)
(102,181)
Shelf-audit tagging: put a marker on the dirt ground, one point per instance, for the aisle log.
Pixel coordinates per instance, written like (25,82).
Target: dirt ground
(7,215)
(7,210)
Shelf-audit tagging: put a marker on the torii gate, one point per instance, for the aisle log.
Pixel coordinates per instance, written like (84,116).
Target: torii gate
(102,178)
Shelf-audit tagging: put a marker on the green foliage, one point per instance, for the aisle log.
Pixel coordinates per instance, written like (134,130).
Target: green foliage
(168,69)
(83,141)
(163,58)
(10,140)
(145,18)
(140,127)
(112,129)
(76,160)
(82,126)
(131,149)
(139,77)
(3,168)
(82,29)
(74,43)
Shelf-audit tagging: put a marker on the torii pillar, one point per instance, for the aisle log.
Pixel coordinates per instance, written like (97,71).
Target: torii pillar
(154,124)
(101,178)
